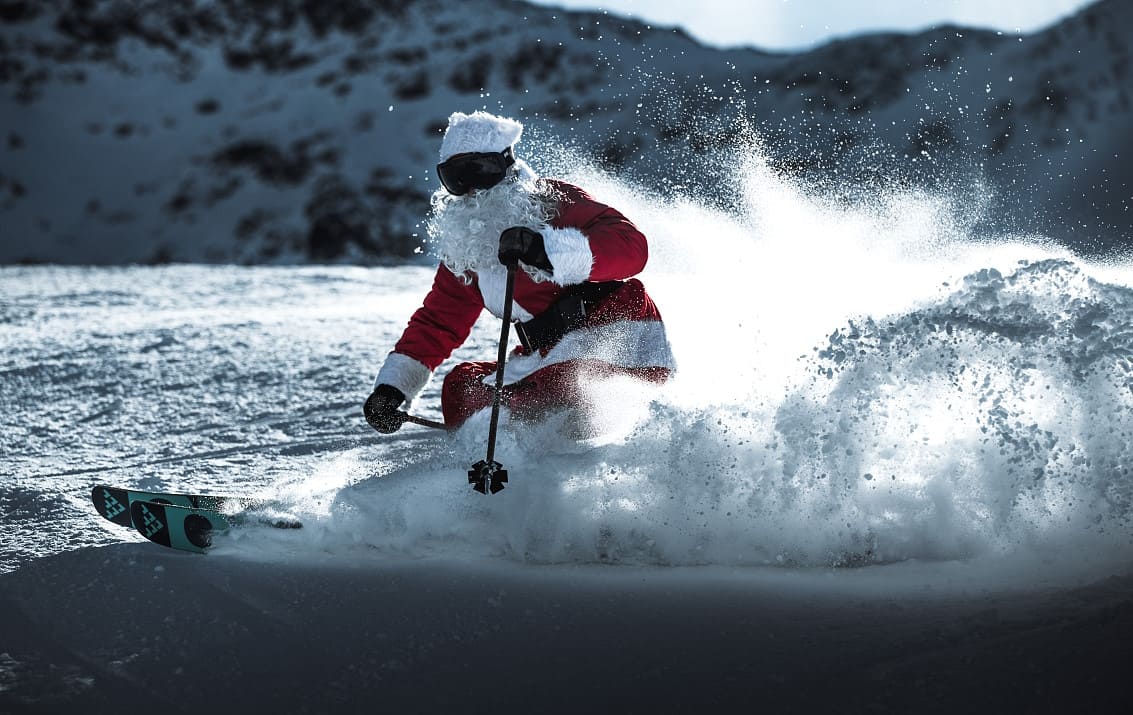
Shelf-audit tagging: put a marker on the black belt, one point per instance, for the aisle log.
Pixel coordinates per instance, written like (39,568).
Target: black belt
(565,314)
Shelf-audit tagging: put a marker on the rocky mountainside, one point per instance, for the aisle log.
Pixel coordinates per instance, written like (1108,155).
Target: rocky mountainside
(306,130)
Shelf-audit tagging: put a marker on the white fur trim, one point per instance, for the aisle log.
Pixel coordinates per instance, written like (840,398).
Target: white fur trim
(626,343)
(493,286)
(404,373)
(478,132)
(524,173)
(568,249)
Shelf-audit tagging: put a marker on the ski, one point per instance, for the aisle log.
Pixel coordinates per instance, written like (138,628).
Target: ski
(189,528)
(113,503)
(178,527)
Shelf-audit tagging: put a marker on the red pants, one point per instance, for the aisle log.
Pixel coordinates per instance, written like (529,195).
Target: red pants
(556,386)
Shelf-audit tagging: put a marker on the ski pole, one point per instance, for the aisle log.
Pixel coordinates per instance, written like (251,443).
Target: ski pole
(406,417)
(488,475)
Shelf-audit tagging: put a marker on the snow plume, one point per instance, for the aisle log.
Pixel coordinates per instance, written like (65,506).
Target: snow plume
(464,231)
(859,382)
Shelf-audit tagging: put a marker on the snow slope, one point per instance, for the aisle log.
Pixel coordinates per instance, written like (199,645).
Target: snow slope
(891,474)
(805,426)
(251,132)
(93,630)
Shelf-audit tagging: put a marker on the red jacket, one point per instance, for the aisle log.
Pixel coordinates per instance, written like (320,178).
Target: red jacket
(451,308)
(588,241)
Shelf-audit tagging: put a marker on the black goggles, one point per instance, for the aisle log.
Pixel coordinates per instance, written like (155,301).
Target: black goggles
(479,170)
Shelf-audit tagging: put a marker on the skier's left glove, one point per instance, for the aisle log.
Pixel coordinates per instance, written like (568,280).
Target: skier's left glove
(381,409)
(520,243)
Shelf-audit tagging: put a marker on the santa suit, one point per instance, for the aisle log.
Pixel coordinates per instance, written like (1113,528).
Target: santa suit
(622,333)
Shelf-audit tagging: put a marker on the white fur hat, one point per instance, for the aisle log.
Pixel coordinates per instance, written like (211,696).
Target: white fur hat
(478,132)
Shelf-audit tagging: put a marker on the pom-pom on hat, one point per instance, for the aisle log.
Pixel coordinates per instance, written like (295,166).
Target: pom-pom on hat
(478,132)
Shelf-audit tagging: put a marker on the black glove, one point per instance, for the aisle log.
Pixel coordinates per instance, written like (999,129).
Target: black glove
(381,409)
(520,243)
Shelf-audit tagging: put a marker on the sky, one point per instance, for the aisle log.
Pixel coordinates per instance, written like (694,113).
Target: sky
(797,24)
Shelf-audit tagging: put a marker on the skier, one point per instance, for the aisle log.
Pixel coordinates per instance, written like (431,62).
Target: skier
(579,314)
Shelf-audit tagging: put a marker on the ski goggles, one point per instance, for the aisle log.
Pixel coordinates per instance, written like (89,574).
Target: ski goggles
(477,170)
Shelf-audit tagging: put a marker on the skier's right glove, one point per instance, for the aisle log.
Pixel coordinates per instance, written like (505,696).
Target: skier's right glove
(381,409)
(520,243)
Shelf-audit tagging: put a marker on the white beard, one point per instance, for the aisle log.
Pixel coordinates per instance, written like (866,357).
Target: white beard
(464,231)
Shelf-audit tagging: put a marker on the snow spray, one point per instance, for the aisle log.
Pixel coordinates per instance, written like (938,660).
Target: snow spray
(858,383)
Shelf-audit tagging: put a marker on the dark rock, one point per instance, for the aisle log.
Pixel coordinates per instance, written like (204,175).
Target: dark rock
(472,75)
(270,163)
(415,86)
(19,11)
(338,217)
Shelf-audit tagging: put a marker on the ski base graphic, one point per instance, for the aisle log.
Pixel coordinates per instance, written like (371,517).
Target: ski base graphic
(113,503)
(188,528)
(178,527)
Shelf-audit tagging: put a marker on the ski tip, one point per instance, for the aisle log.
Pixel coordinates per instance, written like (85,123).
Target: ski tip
(149,520)
(112,504)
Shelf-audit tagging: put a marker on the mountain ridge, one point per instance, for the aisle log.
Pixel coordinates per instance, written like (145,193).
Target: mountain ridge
(251,131)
